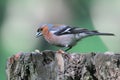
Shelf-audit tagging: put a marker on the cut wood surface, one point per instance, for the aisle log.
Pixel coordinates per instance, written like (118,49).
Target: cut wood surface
(51,65)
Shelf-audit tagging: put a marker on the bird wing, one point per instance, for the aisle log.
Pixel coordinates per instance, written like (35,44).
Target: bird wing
(71,30)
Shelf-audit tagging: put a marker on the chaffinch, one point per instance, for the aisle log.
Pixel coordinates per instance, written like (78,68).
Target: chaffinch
(64,35)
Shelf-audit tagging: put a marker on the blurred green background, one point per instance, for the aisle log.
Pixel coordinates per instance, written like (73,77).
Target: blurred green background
(19,20)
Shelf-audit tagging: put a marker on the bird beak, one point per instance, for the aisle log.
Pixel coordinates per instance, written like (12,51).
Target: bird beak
(38,34)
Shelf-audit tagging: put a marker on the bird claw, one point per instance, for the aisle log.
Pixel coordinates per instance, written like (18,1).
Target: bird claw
(60,51)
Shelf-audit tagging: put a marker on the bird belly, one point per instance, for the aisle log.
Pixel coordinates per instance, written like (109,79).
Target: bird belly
(62,40)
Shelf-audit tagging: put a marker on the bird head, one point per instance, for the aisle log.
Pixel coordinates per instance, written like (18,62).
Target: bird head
(43,29)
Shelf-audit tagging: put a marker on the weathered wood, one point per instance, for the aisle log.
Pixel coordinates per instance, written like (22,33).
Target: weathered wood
(50,65)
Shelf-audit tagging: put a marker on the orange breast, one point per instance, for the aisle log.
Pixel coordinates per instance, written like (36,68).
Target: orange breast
(47,35)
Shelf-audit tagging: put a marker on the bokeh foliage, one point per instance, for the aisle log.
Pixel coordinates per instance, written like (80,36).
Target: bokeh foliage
(79,16)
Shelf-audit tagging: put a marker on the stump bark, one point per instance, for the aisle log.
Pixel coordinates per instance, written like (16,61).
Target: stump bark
(50,65)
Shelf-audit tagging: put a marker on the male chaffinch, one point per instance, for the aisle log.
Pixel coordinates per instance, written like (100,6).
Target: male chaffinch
(64,35)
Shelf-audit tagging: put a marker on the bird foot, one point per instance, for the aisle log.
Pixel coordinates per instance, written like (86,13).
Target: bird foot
(60,51)
(64,54)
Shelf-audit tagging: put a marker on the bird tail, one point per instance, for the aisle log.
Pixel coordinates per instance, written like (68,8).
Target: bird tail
(92,33)
(98,33)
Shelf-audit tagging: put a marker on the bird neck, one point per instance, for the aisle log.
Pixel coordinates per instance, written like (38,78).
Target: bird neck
(46,33)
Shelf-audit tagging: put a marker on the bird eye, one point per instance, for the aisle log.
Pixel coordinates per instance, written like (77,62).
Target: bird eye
(41,29)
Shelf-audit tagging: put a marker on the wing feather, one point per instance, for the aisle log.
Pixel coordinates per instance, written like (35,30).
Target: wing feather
(71,30)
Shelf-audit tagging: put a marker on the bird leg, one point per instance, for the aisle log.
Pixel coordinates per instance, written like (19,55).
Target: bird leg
(68,49)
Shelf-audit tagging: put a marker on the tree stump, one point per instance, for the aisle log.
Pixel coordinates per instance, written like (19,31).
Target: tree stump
(51,65)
